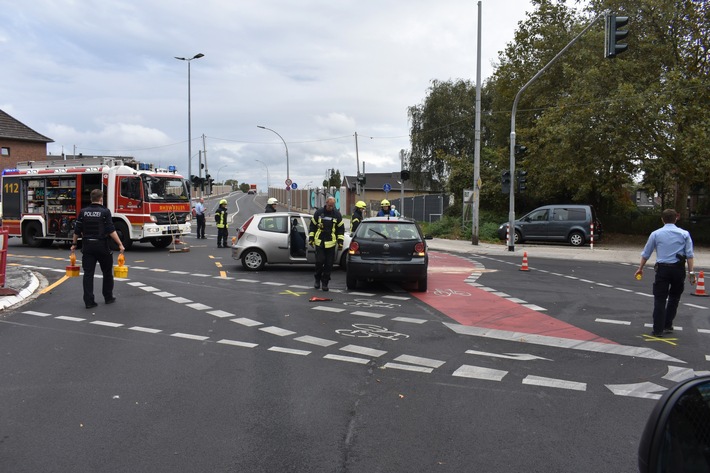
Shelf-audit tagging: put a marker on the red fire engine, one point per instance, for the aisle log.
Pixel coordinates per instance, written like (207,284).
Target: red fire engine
(41,199)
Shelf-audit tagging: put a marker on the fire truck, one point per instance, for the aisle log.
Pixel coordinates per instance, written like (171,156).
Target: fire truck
(41,199)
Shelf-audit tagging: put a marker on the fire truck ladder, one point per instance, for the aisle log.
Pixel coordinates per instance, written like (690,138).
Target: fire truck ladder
(173,224)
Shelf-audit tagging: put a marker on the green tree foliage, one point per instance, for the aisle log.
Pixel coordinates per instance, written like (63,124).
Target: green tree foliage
(244,187)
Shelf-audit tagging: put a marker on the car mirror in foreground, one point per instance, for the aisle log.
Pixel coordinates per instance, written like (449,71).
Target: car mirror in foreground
(677,434)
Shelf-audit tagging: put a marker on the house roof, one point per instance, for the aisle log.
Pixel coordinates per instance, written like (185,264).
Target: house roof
(13,129)
(378,180)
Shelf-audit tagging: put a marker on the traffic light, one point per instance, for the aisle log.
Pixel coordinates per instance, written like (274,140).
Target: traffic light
(361,179)
(614,35)
(522,179)
(505,182)
(520,151)
(404,175)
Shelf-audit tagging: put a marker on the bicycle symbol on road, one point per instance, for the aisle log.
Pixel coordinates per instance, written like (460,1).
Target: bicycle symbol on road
(450,292)
(368,331)
(372,303)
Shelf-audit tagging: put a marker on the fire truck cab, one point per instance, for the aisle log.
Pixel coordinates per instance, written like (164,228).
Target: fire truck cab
(41,199)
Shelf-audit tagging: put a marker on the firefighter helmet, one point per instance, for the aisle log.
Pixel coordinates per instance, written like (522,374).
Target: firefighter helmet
(360,204)
(385,203)
(272,201)
(223,201)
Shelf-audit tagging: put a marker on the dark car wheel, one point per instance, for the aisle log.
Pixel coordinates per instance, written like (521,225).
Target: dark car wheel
(162,242)
(253,260)
(350,281)
(422,284)
(576,239)
(344,261)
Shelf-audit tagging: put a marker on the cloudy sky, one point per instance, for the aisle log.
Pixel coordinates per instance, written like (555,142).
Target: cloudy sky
(100,76)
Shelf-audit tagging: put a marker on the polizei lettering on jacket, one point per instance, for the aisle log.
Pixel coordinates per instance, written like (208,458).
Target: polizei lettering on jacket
(92,214)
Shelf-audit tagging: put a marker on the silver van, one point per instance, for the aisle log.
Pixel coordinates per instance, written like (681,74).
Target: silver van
(566,223)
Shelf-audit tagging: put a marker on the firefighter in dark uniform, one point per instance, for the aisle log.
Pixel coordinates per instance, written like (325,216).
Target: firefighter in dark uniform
(325,232)
(357,216)
(95,226)
(220,216)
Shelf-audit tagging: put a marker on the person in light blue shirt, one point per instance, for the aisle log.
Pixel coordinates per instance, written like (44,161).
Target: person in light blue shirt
(673,247)
(200,216)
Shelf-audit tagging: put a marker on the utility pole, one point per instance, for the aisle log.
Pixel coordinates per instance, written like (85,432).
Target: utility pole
(477,141)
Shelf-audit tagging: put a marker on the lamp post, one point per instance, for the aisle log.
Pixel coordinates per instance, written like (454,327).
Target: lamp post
(189,124)
(288,175)
(218,170)
(268,183)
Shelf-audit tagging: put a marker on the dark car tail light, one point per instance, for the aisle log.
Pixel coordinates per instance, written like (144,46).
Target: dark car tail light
(354,248)
(244,227)
(419,249)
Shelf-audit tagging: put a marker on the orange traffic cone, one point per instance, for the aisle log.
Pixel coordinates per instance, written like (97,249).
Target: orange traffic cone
(524,267)
(700,286)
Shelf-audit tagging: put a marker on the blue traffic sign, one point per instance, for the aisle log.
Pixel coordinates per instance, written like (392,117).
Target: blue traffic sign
(387,187)
(294,186)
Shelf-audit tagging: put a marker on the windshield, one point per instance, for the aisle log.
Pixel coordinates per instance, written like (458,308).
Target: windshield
(387,231)
(165,189)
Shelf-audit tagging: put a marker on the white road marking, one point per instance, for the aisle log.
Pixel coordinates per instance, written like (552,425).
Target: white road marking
(500,294)
(508,356)
(70,319)
(417,360)
(290,351)
(315,341)
(397,298)
(136,283)
(409,320)
(281,332)
(603,284)
(296,286)
(569,343)
(703,330)
(271,283)
(189,336)
(106,324)
(158,270)
(349,359)
(327,309)
(534,307)
(248,280)
(145,329)
(478,372)
(246,322)
(179,272)
(610,321)
(360,294)
(676,328)
(164,294)
(397,366)
(237,344)
(623,289)
(149,288)
(220,313)
(642,390)
(363,351)
(198,306)
(517,301)
(180,300)
(367,314)
(139,267)
(678,374)
(200,275)
(38,314)
(554,383)
(695,306)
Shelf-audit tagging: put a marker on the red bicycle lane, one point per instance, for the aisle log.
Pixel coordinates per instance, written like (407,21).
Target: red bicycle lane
(448,274)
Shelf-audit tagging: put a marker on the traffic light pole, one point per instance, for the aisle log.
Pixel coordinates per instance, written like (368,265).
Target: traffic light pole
(511,194)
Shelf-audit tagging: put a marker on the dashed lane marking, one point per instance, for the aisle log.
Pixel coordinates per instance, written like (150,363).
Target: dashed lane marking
(236,343)
(358,350)
(189,336)
(290,351)
(221,313)
(610,321)
(399,366)
(479,372)
(367,314)
(328,309)
(409,320)
(322,342)
(281,332)
(246,322)
(554,383)
(145,329)
(70,319)
(349,359)
(418,360)
(106,324)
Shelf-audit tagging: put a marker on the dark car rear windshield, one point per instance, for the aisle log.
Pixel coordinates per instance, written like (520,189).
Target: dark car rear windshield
(387,231)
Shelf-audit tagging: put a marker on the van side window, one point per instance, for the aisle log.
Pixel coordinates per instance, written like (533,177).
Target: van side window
(570,215)
(538,216)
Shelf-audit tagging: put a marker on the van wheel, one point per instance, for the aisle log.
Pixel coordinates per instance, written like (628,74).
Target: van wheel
(576,239)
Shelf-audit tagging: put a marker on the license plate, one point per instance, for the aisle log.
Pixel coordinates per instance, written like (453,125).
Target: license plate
(173,228)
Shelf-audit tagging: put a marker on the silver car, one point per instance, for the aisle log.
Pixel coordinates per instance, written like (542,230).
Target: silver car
(278,238)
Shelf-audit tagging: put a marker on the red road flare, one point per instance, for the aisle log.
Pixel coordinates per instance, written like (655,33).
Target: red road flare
(486,310)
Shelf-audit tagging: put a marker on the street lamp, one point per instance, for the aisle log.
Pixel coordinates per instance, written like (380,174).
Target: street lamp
(288,175)
(189,124)
(268,183)
(218,170)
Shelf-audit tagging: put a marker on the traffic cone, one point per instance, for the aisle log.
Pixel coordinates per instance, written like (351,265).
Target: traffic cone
(524,267)
(700,286)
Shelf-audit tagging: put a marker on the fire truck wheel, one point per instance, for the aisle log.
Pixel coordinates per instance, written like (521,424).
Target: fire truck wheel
(162,242)
(123,234)
(31,235)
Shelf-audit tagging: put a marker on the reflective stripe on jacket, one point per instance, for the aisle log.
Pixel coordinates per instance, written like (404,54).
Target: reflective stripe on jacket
(220,217)
(326,228)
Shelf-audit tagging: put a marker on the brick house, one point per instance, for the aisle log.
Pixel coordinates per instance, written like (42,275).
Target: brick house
(18,142)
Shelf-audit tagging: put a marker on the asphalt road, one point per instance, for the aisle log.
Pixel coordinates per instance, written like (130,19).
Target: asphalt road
(201,366)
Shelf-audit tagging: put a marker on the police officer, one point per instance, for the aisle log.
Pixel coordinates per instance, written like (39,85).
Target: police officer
(220,217)
(325,232)
(95,226)
(357,215)
(673,248)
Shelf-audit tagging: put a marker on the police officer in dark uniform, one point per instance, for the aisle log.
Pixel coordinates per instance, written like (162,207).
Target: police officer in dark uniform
(95,226)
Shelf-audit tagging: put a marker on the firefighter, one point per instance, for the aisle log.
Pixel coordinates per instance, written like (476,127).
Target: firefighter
(220,216)
(325,232)
(95,227)
(385,209)
(357,215)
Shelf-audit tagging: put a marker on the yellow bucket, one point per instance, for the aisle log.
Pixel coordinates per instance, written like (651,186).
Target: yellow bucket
(120,271)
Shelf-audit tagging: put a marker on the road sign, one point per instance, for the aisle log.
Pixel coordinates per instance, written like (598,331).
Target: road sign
(387,187)
(289,182)
(294,186)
